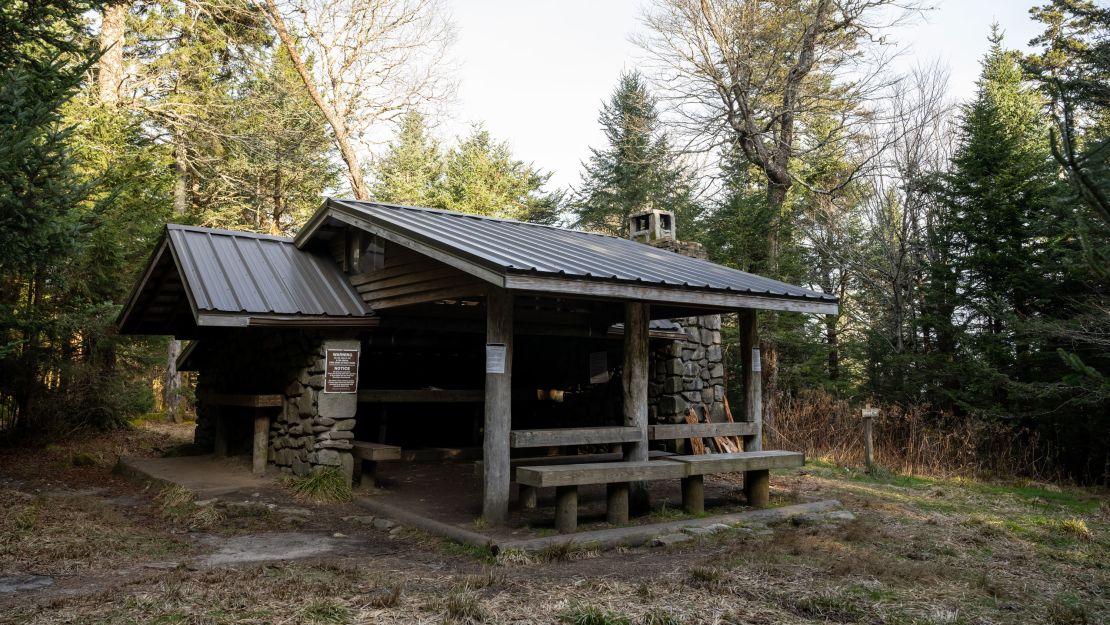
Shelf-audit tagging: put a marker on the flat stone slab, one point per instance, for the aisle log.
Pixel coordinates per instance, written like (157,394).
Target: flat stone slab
(642,534)
(207,476)
(23,583)
(272,546)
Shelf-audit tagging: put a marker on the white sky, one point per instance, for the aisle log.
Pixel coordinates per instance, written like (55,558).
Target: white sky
(536,72)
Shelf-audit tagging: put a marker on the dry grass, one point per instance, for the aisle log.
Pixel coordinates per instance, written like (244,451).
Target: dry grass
(323,486)
(922,552)
(907,440)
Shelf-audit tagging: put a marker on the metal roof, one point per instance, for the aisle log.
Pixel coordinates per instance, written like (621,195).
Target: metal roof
(241,272)
(520,248)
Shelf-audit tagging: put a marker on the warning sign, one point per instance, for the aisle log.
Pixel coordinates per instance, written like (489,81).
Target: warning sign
(341,371)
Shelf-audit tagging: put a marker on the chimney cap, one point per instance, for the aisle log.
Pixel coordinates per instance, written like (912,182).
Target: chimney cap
(651,225)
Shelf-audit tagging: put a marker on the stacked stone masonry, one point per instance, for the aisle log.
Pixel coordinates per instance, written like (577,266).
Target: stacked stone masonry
(301,438)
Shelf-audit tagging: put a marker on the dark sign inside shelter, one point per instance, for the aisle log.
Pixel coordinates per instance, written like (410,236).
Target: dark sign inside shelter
(341,371)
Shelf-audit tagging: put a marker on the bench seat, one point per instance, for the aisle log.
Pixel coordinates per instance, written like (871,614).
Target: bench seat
(367,455)
(599,473)
(756,466)
(672,431)
(615,475)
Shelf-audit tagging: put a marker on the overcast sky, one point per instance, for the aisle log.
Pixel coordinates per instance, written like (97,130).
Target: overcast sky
(536,72)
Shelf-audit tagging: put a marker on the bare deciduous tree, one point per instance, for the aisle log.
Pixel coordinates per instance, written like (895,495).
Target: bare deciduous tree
(369,62)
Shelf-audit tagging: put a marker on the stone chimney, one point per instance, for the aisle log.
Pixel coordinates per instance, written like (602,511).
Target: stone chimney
(651,225)
(657,228)
(687,373)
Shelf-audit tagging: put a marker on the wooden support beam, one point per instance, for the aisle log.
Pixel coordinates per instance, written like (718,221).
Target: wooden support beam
(245,401)
(527,496)
(559,437)
(699,430)
(498,410)
(260,451)
(752,378)
(420,395)
(634,384)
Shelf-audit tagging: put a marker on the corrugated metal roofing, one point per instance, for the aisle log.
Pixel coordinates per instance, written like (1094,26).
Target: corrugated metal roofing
(523,248)
(241,272)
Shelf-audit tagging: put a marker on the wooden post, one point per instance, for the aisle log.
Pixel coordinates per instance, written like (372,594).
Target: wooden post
(566,509)
(757,485)
(752,378)
(693,494)
(498,406)
(527,496)
(869,415)
(616,495)
(261,441)
(219,435)
(634,382)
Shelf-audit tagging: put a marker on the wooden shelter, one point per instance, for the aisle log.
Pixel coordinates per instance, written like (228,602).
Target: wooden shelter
(489,298)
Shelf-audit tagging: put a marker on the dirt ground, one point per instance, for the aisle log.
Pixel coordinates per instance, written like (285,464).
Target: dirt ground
(81,545)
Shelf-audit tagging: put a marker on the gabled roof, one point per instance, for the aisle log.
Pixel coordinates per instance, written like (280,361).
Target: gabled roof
(546,259)
(228,277)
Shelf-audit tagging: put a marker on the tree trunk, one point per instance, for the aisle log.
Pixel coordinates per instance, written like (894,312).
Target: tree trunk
(171,386)
(338,125)
(110,66)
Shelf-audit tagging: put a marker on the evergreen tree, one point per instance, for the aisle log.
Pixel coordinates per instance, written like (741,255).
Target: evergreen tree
(1000,193)
(482,177)
(411,168)
(636,170)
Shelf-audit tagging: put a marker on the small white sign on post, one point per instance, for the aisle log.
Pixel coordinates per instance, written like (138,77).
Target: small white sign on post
(870,413)
(599,368)
(756,364)
(495,358)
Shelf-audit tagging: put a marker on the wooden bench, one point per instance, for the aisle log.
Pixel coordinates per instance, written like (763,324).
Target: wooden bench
(756,466)
(527,495)
(615,475)
(367,456)
(561,437)
(260,442)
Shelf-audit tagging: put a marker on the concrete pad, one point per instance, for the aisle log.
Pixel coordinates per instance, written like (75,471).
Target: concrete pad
(274,546)
(23,583)
(206,476)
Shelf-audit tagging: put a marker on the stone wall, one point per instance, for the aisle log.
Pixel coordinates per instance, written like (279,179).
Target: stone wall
(314,429)
(689,373)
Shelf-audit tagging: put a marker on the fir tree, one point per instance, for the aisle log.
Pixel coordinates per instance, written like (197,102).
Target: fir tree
(481,176)
(1005,264)
(411,169)
(636,170)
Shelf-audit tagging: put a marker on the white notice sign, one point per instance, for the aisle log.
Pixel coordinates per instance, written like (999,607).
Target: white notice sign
(495,358)
(870,413)
(756,364)
(599,368)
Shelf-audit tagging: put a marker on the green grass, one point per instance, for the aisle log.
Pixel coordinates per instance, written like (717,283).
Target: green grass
(326,612)
(591,615)
(324,485)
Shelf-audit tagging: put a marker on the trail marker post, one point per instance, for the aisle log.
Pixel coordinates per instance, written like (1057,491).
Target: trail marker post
(869,415)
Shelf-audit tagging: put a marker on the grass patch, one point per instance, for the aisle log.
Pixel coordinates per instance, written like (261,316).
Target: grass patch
(463,606)
(592,615)
(326,612)
(82,459)
(176,502)
(324,486)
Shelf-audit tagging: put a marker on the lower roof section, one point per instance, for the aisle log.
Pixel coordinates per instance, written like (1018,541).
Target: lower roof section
(205,277)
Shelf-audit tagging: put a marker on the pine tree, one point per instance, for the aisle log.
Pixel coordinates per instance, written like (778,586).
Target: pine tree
(411,168)
(481,176)
(636,170)
(1005,263)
